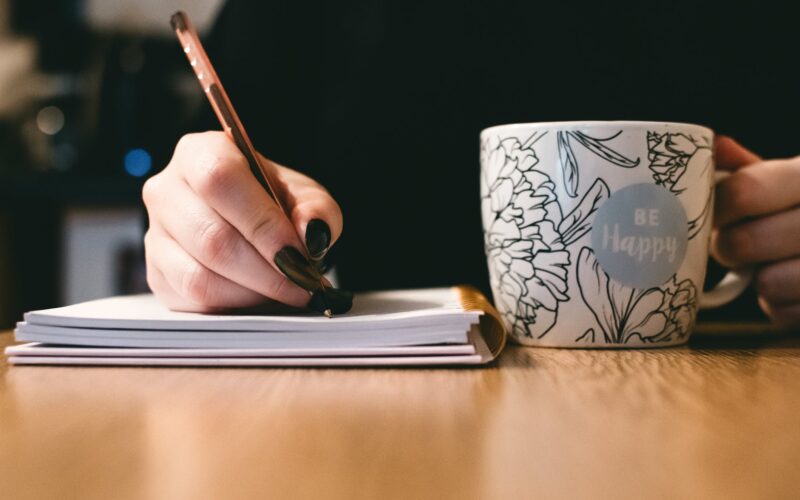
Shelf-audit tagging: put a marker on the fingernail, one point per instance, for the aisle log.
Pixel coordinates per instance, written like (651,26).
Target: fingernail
(338,301)
(322,266)
(294,265)
(318,238)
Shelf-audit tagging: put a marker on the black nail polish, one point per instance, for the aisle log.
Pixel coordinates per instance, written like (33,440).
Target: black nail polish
(322,266)
(318,238)
(294,265)
(338,301)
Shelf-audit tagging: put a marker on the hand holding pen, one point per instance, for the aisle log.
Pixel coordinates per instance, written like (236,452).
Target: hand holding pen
(226,223)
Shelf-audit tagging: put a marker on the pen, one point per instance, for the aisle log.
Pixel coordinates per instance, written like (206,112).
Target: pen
(212,87)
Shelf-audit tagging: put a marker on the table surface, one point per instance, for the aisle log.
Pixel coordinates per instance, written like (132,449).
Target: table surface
(719,418)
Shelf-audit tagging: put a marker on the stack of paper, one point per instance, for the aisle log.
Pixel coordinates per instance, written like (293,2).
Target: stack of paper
(409,327)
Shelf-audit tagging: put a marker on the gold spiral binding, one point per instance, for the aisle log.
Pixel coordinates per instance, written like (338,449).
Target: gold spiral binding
(491,324)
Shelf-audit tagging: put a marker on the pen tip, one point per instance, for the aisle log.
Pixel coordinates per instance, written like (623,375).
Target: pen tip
(328,313)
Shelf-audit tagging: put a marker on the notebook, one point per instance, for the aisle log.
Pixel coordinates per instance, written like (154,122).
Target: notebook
(439,326)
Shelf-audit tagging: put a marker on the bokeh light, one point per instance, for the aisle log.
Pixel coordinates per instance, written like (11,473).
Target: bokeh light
(138,162)
(50,120)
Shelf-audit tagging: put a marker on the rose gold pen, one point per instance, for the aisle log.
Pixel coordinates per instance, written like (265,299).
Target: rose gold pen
(227,116)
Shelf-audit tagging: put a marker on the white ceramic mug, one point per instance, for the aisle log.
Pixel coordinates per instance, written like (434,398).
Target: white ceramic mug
(597,233)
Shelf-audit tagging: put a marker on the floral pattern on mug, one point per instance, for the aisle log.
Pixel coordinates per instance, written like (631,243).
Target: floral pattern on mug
(625,314)
(526,234)
(596,145)
(680,162)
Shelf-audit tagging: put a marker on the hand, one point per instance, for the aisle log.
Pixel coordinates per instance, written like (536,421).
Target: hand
(218,241)
(758,223)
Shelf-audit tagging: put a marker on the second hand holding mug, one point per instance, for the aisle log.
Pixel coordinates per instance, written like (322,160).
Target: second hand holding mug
(596,233)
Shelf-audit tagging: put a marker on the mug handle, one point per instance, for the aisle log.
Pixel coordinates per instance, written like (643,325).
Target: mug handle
(734,283)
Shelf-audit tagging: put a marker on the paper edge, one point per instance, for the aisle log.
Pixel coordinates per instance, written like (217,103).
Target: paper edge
(474,359)
(40,350)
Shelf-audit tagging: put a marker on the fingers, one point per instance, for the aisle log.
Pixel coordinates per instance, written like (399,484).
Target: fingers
(211,206)
(757,220)
(769,238)
(730,155)
(217,246)
(222,179)
(758,189)
(786,315)
(185,284)
(313,211)
(169,297)
(779,283)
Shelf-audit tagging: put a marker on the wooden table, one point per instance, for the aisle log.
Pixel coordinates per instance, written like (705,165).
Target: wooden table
(717,419)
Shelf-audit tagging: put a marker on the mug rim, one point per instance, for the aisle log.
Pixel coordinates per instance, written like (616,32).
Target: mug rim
(593,123)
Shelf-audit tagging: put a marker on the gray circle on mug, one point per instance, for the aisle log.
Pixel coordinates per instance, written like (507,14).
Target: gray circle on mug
(640,235)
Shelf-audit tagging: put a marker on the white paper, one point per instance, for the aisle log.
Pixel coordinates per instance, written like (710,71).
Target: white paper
(250,339)
(391,309)
(26,355)
(36,349)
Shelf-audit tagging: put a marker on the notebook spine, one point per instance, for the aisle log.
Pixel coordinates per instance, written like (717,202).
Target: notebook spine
(491,323)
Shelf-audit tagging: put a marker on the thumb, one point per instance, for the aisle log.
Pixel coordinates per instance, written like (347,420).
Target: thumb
(731,155)
(316,216)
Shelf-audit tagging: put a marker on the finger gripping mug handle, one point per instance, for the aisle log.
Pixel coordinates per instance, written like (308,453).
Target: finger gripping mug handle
(734,283)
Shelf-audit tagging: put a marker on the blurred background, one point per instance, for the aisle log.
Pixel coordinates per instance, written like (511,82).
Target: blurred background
(81,86)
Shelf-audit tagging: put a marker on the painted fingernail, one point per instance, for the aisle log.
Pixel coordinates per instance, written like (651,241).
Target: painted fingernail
(318,238)
(322,266)
(294,265)
(336,300)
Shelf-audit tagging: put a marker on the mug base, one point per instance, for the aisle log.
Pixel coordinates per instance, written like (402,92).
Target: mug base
(600,345)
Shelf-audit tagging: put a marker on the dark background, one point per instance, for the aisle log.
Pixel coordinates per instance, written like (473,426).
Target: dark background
(381,101)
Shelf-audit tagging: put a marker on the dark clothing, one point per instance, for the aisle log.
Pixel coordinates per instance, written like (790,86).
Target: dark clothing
(382,101)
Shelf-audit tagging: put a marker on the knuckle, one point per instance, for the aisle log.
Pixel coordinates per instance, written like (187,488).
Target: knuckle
(151,189)
(196,285)
(188,142)
(216,241)
(185,141)
(211,161)
(217,176)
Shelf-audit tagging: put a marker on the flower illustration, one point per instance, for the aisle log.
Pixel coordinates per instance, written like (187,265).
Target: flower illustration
(681,310)
(681,163)
(596,145)
(626,314)
(526,234)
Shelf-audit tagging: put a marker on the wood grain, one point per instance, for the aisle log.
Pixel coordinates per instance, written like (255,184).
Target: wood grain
(717,419)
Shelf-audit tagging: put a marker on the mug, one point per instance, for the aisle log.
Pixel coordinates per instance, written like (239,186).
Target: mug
(596,233)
